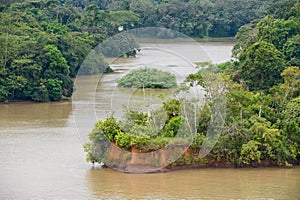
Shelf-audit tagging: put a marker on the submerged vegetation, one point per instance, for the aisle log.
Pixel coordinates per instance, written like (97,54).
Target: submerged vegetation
(262,92)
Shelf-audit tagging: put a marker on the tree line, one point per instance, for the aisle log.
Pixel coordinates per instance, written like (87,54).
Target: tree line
(44,42)
(196,18)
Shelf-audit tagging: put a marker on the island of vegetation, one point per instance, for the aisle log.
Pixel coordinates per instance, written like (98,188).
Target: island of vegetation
(148,78)
(262,91)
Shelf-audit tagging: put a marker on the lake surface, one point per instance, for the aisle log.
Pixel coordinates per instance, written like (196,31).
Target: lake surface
(41,144)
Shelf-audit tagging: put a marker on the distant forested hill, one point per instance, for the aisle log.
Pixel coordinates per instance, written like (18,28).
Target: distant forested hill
(197,18)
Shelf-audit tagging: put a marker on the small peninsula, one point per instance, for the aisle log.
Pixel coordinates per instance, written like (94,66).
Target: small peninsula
(262,122)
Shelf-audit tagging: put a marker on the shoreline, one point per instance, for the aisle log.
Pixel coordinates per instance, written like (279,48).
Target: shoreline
(19,101)
(136,163)
(185,39)
(169,169)
(215,39)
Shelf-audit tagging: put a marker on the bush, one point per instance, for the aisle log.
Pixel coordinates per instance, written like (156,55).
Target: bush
(173,126)
(250,153)
(148,78)
(123,139)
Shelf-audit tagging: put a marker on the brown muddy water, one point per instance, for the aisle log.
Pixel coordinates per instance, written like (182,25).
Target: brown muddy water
(41,143)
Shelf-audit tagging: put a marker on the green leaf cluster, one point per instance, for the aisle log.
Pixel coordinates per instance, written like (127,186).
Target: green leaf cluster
(267,47)
(148,78)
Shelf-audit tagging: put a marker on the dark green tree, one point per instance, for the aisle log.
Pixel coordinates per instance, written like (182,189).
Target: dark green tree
(261,65)
(292,51)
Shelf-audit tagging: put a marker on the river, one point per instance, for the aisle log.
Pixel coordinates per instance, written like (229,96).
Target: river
(42,157)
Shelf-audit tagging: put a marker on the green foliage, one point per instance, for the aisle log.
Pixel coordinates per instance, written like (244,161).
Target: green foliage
(232,14)
(75,49)
(148,78)
(96,149)
(124,140)
(196,79)
(245,36)
(262,100)
(172,127)
(207,18)
(277,31)
(251,135)
(191,17)
(282,9)
(54,89)
(291,86)
(136,117)
(250,153)
(265,47)
(43,44)
(55,60)
(197,141)
(110,128)
(290,125)
(43,41)
(40,94)
(261,65)
(172,107)
(273,145)
(292,51)
(54,28)
(204,119)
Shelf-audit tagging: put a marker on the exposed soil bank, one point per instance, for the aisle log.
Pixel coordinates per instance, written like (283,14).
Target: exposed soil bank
(134,161)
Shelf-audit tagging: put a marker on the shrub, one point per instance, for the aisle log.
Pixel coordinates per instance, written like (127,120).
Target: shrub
(173,126)
(148,78)
(250,153)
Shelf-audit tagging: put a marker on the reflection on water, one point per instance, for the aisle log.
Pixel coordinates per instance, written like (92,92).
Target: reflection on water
(197,184)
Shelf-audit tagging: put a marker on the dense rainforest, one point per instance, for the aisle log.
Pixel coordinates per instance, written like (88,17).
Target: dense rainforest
(44,42)
(261,86)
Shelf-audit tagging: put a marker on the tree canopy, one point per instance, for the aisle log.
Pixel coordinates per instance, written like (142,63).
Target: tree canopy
(44,43)
(264,49)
